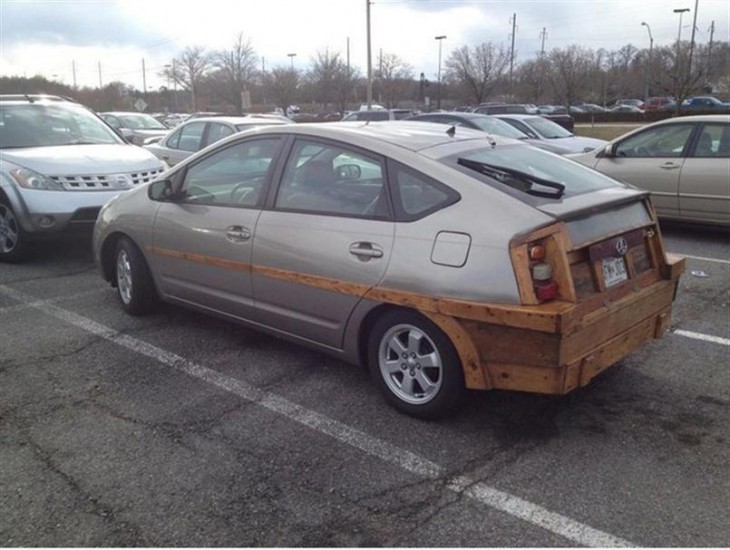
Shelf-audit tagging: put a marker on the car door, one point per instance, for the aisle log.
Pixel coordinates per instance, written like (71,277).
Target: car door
(652,160)
(325,241)
(704,182)
(202,240)
(182,143)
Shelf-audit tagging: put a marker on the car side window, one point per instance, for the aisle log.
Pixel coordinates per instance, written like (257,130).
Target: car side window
(190,137)
(713,141)
(233,176)
(329,179)
(416,195)
(216,132)
(667,141)
(112,121)
(173,141)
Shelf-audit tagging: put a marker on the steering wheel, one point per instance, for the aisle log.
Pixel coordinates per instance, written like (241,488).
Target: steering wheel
(240,192)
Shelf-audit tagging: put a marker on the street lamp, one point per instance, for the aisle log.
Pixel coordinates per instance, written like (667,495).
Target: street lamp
(438,89)
(648,71)
(680,11)
(291,57)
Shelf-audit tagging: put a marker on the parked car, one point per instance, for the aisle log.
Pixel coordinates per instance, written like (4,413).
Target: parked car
(684,162)
(658,103)
(174,119)
(633,102)
(592,108)
(562,118)
(627,109)
(707,103)
(550,135)
(379,114)
(193,135)
(59,163)
(490,124)
(440,260)
(136,127)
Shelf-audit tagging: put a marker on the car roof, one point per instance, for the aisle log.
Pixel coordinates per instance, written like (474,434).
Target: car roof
(116,113)
(237,120)
(695,118)
(518,116)
(413,136)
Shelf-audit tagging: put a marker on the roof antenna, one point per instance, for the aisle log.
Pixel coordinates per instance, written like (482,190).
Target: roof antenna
(451,131)
(491,141)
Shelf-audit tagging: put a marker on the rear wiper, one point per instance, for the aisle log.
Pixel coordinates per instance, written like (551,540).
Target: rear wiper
(516,179)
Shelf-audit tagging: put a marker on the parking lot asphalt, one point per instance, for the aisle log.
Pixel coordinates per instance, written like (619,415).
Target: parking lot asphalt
(177,429)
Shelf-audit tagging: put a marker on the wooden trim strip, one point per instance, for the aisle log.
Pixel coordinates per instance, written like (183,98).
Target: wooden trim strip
(543,317)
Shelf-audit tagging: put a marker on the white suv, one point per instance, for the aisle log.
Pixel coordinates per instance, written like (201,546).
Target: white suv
(59,164)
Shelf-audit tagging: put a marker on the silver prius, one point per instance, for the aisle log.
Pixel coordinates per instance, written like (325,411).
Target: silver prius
(442,259)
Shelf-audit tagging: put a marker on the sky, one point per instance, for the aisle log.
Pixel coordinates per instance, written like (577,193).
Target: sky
(51,38)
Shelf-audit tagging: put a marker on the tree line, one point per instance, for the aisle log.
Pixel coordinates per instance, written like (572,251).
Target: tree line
(236,80)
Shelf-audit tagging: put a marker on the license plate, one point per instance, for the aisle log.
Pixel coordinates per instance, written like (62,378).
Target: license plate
(614,271)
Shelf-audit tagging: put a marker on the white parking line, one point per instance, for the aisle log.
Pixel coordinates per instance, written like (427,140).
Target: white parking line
(42,303)
(702,258)
(572,530)
(703,337)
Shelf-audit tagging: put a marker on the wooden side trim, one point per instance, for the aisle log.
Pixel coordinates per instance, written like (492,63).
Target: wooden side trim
(475,377)
(674,266)
(544,318)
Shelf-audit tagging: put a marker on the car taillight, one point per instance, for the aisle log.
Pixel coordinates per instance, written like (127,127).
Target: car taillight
(542,274)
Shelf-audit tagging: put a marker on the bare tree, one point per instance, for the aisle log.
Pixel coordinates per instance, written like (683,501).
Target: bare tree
(394,79)
(282,84)
(478,69)
(677,80)
(330,79)
(570,71)
(189,69)
(236,68)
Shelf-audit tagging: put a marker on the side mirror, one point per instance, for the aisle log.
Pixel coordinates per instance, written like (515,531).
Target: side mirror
(163,190)
(609,151)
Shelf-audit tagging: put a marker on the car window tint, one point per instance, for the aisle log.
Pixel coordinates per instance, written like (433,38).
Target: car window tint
(190,136)
(217,131)
(233,176)
(714,141)
(662,141)
(417,195)
(330,179)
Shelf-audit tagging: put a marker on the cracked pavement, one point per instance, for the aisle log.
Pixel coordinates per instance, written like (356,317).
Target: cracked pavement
(102,446)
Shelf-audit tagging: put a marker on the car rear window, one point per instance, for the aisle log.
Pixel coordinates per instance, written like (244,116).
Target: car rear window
(575,178)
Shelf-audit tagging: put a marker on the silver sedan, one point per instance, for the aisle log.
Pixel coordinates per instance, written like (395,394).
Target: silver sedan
(196,134)
(441,259)
(684,162)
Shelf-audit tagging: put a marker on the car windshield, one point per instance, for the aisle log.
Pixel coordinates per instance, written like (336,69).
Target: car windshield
(547,128)
(47,125)
(141,122)
(498,127)
(573,178)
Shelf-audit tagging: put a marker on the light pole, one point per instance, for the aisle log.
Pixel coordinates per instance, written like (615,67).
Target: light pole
(648,71)
(680,11)
(291,57)
(438,89)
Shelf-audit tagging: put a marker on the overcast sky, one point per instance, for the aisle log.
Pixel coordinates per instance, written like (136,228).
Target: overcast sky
(45,37)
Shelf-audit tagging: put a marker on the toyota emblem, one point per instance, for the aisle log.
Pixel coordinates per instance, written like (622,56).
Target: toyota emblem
(621,246)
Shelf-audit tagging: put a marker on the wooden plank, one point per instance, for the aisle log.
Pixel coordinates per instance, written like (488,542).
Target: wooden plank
(507,376)
(555,253)
(611,321)
(515,346)
(475,376)
(616,349)
(674,266)
(521,267)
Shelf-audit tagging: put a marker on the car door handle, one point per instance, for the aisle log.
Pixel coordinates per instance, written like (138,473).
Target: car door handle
(365,250)
(669,166)
(237,234)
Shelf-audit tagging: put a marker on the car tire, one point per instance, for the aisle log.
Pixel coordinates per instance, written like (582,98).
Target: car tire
(14,243)
(415,365)
(135,287)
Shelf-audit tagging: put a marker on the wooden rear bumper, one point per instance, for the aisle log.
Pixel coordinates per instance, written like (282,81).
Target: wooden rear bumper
(581,345)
